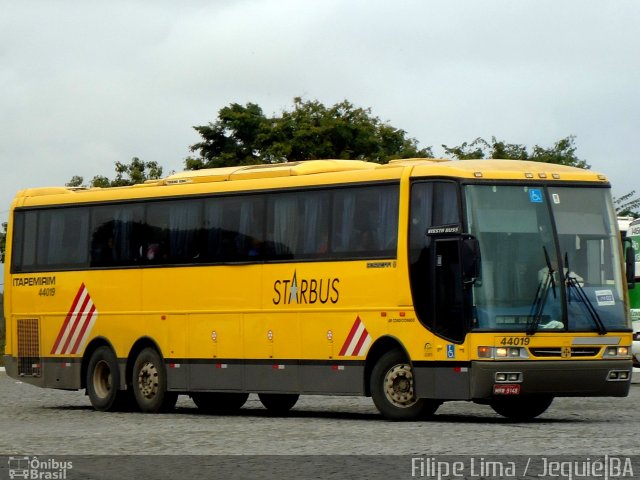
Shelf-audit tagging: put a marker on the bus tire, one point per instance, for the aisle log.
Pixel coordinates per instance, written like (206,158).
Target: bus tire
(103,380)
(522,409)
(278,403)
(149,383)
(219,402)
(392,388)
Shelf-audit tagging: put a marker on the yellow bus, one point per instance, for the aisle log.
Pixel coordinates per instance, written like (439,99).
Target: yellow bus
(415,282)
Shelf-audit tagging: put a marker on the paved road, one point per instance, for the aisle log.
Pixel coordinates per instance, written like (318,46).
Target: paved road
(36,421)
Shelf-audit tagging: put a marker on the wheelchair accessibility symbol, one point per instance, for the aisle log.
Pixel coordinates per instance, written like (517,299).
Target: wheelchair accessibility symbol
(535,195)
(451,351)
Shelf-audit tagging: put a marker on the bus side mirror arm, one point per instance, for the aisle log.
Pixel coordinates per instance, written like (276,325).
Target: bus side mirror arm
(630,263)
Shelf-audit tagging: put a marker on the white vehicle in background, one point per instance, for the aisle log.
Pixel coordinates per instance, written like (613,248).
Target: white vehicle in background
(623,225)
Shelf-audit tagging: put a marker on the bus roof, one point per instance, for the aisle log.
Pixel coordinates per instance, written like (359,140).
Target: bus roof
(246,172)
(507,170)
(309,172)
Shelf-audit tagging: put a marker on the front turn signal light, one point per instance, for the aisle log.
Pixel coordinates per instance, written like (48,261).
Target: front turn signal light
(485,352)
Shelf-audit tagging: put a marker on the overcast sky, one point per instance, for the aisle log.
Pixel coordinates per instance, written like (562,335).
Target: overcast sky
(86,84)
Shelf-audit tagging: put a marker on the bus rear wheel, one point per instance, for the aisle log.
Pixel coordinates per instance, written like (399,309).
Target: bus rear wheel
(522,409)
(219,402)
(103,380)
(392,389)
(278,403)
(149,383)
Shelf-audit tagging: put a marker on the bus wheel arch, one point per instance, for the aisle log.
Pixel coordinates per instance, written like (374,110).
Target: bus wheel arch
(148,376)
(378,349)
(392,384)
(103,378)
(138,346)
(88,353)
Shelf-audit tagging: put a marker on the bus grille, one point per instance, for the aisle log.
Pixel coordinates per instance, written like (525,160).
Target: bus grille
(29,362)
(557,351)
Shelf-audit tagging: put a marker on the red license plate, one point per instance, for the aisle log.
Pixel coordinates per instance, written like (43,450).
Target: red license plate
(506,389)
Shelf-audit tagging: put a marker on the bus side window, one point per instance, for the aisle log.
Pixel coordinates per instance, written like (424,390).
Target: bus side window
(172,231)
(365,222)
(115,235)
(63,238)
(234,229)
(298,225)
(102,253)
(25,227)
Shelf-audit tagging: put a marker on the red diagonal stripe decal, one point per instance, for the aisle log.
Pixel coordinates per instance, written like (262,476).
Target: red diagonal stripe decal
(86,323)
(354,328)
(66,321)
(76,323)
(361,341)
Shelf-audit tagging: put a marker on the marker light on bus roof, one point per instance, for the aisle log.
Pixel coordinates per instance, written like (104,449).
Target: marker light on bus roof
(528,175)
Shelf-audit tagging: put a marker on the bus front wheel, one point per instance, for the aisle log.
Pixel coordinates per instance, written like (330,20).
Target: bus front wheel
(278,403)
(103,380)
(149,383)
(392,388)
(522,409)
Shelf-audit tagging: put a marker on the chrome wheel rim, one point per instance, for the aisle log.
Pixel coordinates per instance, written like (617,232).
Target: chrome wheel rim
(398,386)
(148,380)
(102,379)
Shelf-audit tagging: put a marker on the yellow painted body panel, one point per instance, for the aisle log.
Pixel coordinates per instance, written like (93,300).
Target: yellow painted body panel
(250,311)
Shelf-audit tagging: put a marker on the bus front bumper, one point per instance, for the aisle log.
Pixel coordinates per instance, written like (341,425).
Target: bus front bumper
(563,378)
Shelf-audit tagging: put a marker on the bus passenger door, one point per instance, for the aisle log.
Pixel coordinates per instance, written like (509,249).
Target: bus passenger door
(448,292)
(435,261)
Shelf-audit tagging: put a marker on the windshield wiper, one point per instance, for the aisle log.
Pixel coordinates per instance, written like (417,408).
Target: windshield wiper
(537,307)
(572,281)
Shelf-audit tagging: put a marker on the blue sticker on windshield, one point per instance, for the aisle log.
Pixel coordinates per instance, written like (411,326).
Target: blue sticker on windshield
(535,195)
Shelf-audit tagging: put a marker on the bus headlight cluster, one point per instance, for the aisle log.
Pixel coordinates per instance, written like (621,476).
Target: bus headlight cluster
(616,352)
(502,352)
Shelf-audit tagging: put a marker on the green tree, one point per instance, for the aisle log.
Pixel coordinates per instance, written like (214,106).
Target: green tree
(563,152)
(137,171)
(311,130)
(234,139)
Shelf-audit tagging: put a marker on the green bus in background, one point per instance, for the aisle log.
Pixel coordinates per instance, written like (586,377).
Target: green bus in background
(633,233)
(630,231)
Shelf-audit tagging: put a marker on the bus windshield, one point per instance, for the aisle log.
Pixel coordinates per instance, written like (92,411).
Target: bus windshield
(550,259)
